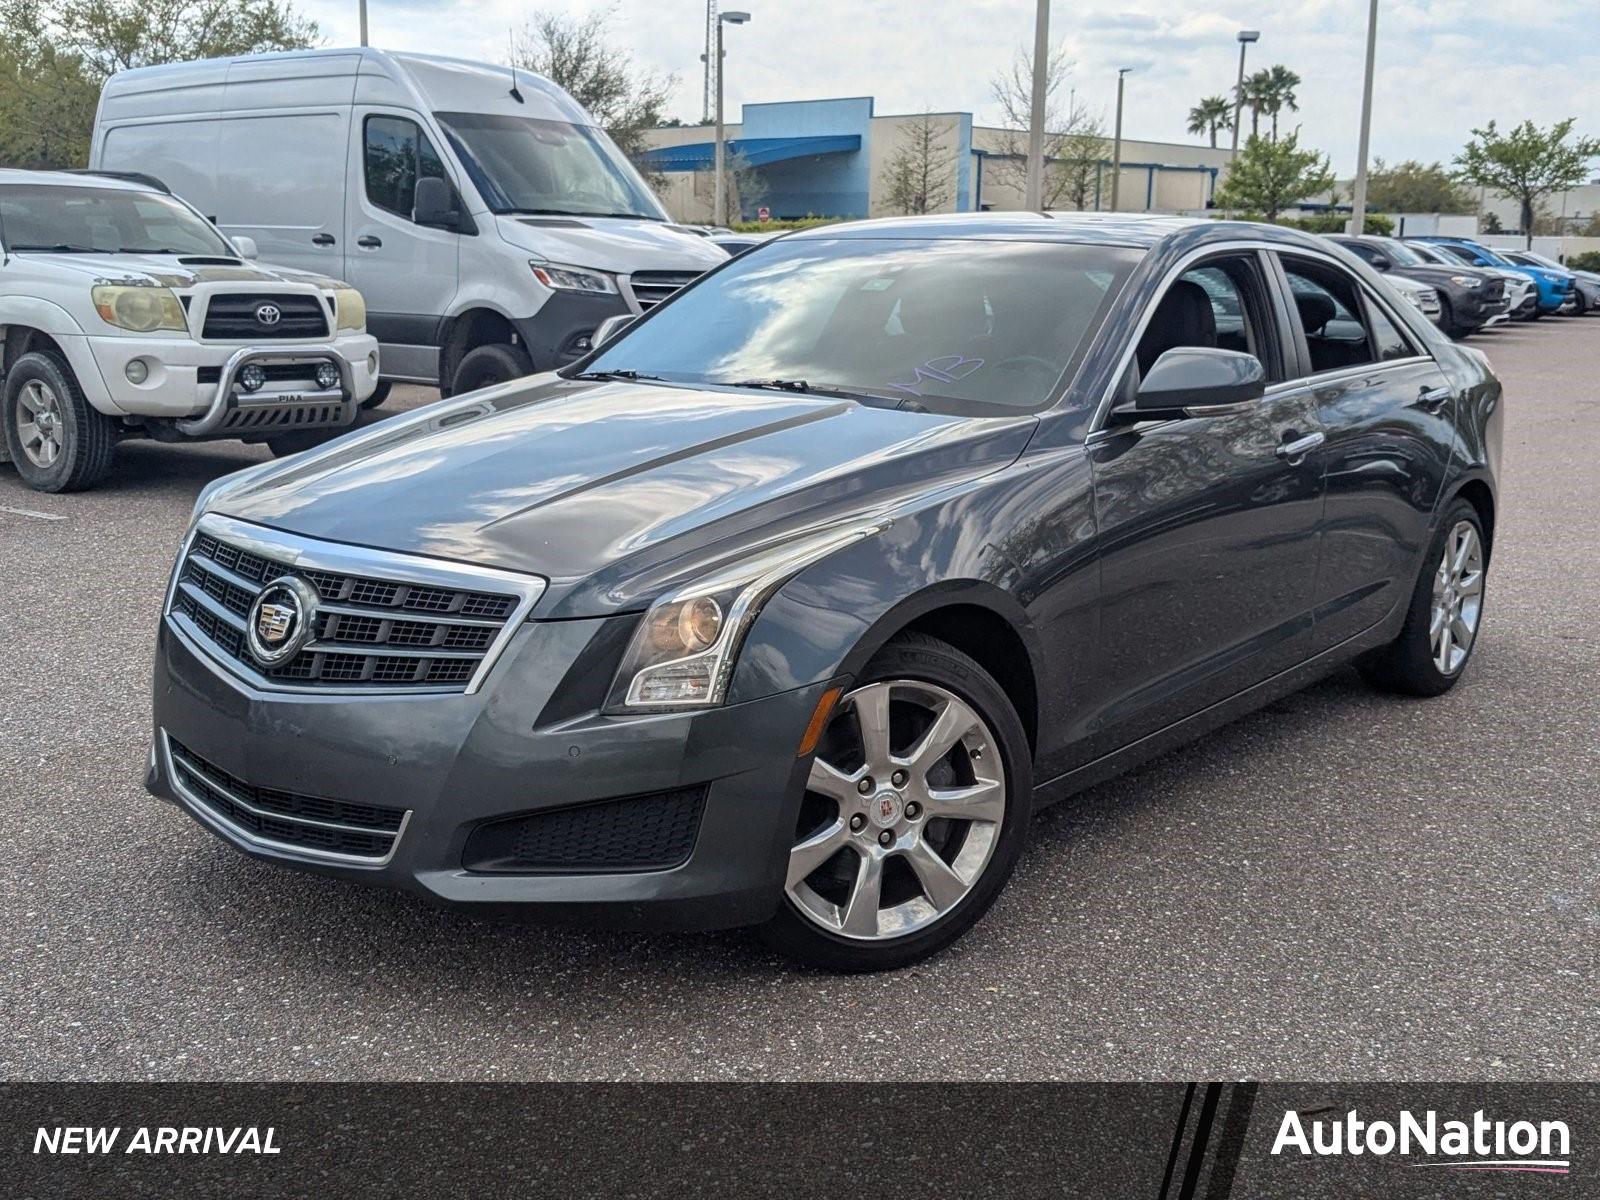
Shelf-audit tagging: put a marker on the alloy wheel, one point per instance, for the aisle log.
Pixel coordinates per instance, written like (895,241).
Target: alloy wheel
(1457,598)
(39,423)
(903,810)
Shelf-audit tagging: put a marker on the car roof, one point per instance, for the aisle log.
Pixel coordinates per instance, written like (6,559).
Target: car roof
(1141,230)
(81,179)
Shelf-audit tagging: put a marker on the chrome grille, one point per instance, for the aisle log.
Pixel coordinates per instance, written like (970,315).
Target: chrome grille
(313,824)
(367,632)
(231,317)
(650,288)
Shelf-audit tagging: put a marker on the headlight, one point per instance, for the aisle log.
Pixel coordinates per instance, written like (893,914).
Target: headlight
(141,309)
(683,652)
(572,279)
(1466,281)
(350,308)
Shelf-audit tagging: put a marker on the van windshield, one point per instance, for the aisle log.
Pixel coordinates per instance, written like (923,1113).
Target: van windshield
(91,220)
(529,165)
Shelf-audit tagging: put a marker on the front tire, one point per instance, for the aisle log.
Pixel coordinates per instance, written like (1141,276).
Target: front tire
(916,811)
(1446,610)
(58,441)
(379,394)
(489,365)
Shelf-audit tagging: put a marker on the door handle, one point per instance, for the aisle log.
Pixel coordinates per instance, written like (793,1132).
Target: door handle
(324,239)
(368,242)
(1293,452)
(1433,399)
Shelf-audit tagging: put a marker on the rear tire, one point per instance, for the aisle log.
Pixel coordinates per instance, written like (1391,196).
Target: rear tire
(910,865)
(1445,615)
(490,365)
(58,441)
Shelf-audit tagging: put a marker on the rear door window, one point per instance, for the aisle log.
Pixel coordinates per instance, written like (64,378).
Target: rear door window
(1343,326)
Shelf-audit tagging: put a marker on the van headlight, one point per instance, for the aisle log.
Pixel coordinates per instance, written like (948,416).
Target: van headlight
(572,279)
(138,308)
(684,650)
(350,309)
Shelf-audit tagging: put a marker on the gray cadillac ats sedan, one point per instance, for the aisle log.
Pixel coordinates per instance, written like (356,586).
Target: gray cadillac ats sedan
(792,602)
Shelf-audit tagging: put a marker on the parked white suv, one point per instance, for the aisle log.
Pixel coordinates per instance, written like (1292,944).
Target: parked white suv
(123,312)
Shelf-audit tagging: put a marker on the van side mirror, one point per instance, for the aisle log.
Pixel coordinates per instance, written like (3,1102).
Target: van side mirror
(609,328)
(1380,261)
(434,203)
(1195,381)
(245,246)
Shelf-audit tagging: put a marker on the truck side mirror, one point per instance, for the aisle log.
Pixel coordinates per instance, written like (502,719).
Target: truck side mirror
(434,203)
(245,246)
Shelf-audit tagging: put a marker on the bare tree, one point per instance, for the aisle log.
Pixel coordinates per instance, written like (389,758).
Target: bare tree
(920,176)
(578,55)
(1074,139)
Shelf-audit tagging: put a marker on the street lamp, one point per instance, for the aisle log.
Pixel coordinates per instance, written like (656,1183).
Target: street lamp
(719,207)
(1033,196)
(363,22)
(1358,197)
(1246,36)
(1116,143)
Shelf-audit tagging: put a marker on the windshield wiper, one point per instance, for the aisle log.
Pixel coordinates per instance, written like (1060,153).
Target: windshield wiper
(61,248)
(570,212)
(622,373)
(806,386)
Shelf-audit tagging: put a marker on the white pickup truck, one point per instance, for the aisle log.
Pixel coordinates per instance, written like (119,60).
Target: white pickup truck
(124,312)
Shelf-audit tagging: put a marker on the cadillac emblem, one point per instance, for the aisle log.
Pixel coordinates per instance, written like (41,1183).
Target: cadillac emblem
(281,620)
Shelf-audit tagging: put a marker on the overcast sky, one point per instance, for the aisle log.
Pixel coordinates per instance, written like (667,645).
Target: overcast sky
(1444,66)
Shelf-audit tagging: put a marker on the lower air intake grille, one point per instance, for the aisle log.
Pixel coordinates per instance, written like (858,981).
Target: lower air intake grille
(306,822)
(637,833)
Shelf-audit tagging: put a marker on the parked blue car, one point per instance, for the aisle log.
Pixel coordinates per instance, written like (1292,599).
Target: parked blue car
(1558,289)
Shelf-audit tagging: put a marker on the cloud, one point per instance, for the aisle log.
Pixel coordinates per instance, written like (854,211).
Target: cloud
(1444,66)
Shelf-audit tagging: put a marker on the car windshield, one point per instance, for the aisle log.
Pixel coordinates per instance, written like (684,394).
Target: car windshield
(529,165)
(66,219)
(1401,254)
(1535,259)
(969,327)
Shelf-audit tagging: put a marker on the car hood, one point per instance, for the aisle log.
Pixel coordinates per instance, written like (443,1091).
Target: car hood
(613,490)
(610,244)
(173,270)
(1436,276)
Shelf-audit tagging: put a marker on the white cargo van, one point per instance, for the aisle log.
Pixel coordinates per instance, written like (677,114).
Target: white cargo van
(486,219)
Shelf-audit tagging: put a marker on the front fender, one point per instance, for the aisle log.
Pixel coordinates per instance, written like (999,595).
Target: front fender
(38,313)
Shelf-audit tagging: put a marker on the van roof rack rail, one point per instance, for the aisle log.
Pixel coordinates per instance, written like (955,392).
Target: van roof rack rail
(127,176)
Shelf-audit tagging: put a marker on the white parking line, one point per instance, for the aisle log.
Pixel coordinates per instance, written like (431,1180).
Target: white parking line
(28,512)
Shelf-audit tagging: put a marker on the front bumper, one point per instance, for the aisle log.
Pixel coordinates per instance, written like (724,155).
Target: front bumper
(456,762)
(173,387)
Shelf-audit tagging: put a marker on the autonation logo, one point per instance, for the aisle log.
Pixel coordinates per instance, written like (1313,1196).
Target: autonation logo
(1476,1145)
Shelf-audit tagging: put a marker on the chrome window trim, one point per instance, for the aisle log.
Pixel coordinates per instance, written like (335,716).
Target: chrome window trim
(205,814)
(1103,409)
(302,553)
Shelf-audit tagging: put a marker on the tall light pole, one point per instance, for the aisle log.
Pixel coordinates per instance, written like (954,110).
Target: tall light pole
(1116,142)
(719,206)
(1033,199)
(1246,36)
(1358,198)
(363,22)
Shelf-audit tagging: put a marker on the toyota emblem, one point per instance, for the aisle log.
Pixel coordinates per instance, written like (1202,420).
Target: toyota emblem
(268,314)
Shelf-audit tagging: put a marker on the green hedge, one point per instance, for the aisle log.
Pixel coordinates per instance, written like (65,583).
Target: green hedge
(796,223)
(1376,223)
(1589,260)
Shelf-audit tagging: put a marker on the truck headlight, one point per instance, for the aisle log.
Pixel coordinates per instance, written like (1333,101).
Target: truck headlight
(138,308)
(683,652)
(1466,281)
(572,279)
(350,309)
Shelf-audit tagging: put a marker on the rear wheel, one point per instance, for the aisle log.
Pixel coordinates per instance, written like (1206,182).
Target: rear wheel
(489,365)
(57,439)
(915,813)
(1446,609)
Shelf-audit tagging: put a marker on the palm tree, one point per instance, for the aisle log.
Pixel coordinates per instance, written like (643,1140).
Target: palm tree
(1211,114)
(1257,96)
(1280,88)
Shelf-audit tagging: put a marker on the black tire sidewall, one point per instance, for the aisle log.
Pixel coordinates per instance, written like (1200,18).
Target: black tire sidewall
(487,366)
(85,451)
(928,660)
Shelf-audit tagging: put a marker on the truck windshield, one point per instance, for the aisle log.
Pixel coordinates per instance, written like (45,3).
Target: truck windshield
(962,326)
(87,220)
(529,165)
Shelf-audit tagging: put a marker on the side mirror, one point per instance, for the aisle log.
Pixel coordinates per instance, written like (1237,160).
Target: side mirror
(609,328)
(1196,381)
(434,203)
(246,246)
(1380,261)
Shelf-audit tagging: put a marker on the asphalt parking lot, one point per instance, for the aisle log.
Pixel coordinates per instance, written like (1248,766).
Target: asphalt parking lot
(1344,886)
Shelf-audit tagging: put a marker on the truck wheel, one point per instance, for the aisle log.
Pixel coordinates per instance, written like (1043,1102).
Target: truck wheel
(58,441)
(489,365)
(379,394)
